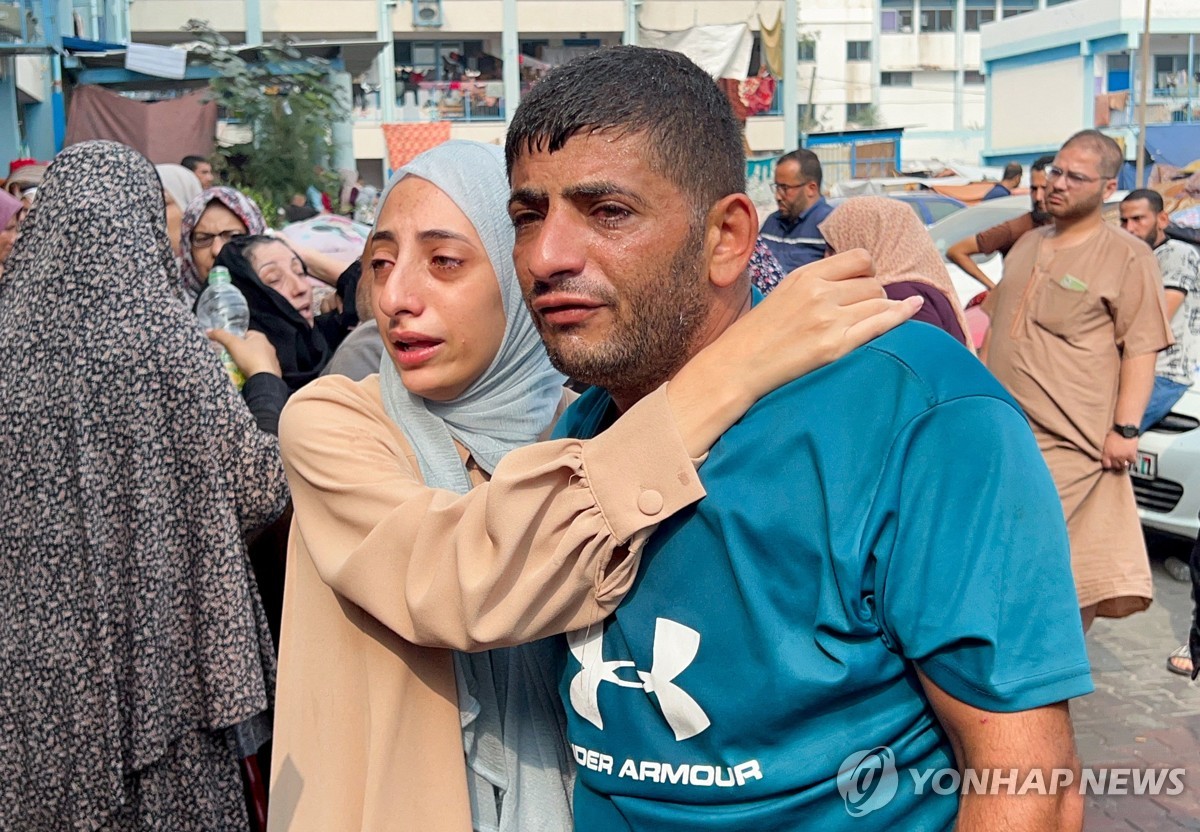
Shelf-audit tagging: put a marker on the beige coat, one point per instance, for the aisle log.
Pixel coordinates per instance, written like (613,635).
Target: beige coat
(385,576)
(1061,324)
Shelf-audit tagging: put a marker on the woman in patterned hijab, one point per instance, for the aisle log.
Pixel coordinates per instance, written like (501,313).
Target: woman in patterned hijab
(210,221)
(132,638)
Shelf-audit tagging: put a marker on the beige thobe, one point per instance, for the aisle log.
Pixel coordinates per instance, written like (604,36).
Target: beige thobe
(385,576)
(1061,324)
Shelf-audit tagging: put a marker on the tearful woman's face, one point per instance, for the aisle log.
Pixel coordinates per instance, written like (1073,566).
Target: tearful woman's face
(434,290)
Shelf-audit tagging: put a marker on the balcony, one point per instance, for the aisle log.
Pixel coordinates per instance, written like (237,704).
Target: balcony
(458,101)
(466,101)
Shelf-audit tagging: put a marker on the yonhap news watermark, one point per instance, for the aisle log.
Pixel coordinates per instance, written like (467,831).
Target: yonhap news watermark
(869,780)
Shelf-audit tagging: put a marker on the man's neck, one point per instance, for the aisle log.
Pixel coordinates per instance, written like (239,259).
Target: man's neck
(1159,240)
(722,317)
(1074,229)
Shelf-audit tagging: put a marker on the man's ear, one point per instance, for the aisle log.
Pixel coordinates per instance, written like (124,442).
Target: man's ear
(731,232)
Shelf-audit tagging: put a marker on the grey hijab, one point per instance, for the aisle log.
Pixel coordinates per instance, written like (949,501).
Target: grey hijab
(514,731)
(514,401)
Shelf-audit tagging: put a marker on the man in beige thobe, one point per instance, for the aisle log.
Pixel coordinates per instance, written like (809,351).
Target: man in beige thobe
(1077,324)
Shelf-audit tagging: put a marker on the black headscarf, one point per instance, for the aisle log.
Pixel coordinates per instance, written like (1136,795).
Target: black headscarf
(303,350)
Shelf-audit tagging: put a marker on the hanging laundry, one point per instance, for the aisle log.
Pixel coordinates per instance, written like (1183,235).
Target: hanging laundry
(772,44)
(757,93)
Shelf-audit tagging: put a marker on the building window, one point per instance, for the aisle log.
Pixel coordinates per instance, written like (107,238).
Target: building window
(894,21)
(807,50)
(977,17)
(937,20)
(1012,8)
(533,48)
(858,50)
(895,79)
(856,113)
(973,77)
(897,16)
(1170,74)
(1170,63)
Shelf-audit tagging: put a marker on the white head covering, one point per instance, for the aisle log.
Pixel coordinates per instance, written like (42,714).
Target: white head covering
(180,183)
(514,729)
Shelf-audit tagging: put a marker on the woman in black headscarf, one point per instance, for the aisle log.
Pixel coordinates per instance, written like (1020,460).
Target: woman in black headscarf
(274,280)
(134,653)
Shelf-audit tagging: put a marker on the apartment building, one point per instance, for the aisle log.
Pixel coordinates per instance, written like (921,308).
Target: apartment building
(437,42)
(1078,65)
(914,64)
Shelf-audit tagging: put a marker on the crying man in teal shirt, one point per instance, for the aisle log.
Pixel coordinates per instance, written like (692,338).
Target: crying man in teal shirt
(873,604)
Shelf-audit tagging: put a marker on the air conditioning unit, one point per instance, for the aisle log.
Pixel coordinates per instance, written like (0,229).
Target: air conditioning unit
(10,20)
(427,13)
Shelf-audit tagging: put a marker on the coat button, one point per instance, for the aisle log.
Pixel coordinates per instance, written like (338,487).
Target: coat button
(650,503)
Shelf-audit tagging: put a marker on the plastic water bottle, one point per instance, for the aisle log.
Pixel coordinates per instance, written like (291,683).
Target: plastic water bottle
(222,306)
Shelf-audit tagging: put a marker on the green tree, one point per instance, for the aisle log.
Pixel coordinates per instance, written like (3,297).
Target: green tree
(287,105)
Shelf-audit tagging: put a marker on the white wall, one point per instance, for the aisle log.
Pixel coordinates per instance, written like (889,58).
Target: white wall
(33,76)
(169,15)
(947,148)
(928,103)
(1022,118)
(765,134)
(934,50)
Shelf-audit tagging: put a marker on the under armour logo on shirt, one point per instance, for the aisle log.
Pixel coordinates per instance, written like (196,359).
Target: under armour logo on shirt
(675,648)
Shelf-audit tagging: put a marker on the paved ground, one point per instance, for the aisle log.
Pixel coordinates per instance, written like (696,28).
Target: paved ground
(1141,716)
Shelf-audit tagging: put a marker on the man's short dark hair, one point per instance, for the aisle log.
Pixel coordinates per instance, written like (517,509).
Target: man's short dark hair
(1013,170)
(1111,157)
(193,162)
(1153,197)
(1042,163)
(692,137)
(809,162)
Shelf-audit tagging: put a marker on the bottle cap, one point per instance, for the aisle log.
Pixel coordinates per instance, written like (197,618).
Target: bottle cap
(219,276)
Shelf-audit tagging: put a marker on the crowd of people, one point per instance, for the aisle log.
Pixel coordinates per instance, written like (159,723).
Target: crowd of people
(567,508)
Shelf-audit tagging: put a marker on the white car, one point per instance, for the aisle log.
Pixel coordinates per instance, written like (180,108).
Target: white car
(1166,478)
(967,223)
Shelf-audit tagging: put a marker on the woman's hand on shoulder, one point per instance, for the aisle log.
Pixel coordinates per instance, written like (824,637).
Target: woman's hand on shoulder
(817,314)
(814,316)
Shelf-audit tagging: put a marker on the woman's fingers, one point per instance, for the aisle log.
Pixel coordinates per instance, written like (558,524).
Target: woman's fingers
(874,318)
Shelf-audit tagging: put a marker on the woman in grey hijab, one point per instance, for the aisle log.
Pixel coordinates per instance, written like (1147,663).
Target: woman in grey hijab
(180,187)
(431,524)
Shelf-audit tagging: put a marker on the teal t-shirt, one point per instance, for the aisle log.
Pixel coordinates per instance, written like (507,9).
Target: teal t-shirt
(888,512)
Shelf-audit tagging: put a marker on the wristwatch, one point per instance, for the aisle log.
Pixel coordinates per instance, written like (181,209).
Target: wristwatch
(1127,431)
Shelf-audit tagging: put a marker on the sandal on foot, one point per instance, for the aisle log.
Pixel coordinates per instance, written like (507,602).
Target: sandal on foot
(1180,661)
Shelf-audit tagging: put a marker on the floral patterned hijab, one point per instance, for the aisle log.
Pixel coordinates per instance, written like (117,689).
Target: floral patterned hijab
(130,471)
(237,202)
